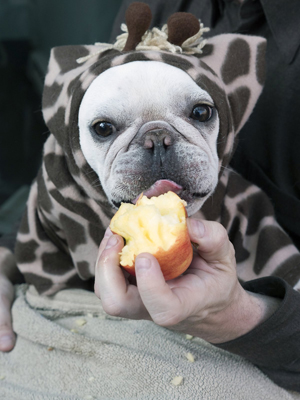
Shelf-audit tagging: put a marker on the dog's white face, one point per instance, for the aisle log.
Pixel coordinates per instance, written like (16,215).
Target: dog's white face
(148,127)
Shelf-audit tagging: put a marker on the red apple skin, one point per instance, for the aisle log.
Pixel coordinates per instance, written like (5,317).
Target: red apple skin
(174,261)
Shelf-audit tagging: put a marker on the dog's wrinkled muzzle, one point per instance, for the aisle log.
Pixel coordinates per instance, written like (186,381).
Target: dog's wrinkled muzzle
(158,140)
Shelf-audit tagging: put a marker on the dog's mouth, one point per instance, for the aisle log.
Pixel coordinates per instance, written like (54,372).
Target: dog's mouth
(160,187)
(163,186)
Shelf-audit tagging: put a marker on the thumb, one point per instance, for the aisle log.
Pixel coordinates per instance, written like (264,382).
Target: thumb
(212,241)
(157,296)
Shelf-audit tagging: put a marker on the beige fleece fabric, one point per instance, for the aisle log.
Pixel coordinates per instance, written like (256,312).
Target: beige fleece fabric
(68,348)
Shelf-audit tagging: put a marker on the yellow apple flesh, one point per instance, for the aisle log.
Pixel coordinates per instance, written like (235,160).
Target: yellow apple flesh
(156,226)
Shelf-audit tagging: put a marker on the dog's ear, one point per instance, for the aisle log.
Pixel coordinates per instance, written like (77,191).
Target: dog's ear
(239,62)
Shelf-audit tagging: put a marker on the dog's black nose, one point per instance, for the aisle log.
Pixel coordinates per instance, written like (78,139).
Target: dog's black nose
(158,140)
(157,137)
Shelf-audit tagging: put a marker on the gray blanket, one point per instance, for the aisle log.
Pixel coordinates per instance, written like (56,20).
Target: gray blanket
(68,348)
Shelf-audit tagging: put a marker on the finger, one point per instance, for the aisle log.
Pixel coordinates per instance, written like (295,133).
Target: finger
(162,304)
(108,233)
(107,266)
(117,296)
(7,336)
(212,241)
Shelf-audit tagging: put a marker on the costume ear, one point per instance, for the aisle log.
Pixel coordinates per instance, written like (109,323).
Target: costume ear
(239,61)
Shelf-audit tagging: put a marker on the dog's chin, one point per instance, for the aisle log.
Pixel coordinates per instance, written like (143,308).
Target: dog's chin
(195,205)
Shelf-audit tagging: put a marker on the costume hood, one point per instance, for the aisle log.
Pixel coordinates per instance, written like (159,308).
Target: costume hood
(229,67)
(68,211)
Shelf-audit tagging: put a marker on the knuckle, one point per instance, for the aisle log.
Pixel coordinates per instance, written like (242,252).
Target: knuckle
(102,246)
(220,238)
(112,308)
(223,235)
(166,319)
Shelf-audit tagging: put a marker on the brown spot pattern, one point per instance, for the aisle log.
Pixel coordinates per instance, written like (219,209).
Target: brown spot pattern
(24,226)
(78,235)
(260,64)
(237,61)
(66,56)
(177,62)
(96,233)
(25,252)
(83,269)
(41,283)
(270,240)
(239,100)
(43,194)
(54,92)
(57,263)
(220,99)
(235,236)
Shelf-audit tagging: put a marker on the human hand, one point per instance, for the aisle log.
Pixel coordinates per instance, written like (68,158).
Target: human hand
(7,266)
(207,301)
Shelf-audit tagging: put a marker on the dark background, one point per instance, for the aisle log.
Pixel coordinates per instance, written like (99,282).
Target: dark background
(28,30)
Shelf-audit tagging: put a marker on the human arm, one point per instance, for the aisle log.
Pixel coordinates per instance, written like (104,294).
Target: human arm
(273,345)
(210,303)
(199,303)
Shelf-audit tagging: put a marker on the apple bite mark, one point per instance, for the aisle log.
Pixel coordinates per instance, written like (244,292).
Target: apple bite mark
(156,226)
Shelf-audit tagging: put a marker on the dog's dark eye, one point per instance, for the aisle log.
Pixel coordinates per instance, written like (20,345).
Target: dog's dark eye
(103,128)
(202,112)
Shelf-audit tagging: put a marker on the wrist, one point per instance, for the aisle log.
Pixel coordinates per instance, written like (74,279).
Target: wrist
(246,311)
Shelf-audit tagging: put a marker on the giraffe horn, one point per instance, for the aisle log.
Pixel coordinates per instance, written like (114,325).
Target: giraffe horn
(138,19)
(182,26)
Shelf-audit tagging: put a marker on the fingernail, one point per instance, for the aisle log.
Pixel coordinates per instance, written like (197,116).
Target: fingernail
(108,233)
(196,227)
(142,263)
(112,241)
(6,341)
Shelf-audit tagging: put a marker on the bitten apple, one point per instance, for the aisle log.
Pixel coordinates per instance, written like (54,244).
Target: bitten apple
(157,226)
